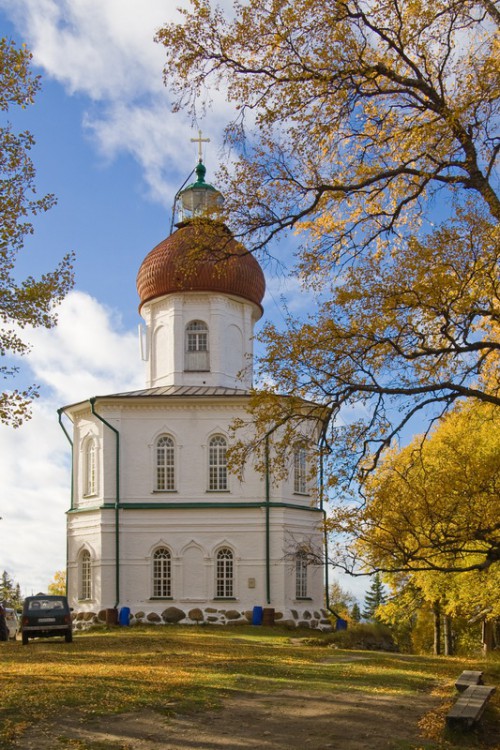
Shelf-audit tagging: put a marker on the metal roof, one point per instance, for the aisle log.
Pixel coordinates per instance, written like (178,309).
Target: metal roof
(180,390)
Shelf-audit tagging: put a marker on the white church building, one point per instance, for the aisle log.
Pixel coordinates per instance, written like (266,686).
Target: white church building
(159,528)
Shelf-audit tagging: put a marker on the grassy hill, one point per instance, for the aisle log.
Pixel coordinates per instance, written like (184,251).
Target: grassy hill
(172,670)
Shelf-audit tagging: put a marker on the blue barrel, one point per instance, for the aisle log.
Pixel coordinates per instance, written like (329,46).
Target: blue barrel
(124,618)
(257,616)
(341,624)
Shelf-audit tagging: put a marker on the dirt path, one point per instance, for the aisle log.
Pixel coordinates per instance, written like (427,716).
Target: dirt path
(282,721)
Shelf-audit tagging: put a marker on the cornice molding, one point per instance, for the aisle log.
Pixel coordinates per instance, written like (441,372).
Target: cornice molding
(198,505)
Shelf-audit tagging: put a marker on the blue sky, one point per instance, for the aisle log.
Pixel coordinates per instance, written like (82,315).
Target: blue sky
(110,149)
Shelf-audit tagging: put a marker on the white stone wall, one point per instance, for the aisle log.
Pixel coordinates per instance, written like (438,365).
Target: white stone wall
(182,520)
(183,531)
(191,422)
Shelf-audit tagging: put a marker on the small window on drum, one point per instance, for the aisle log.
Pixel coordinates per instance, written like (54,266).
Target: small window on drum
(197,354)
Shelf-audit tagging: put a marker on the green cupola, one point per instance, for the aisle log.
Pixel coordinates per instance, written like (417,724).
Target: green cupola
(199,199)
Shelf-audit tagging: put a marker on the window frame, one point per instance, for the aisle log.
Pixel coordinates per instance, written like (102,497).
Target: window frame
(168,466)
(196,347)
(161,573)
(85,576)
(224,573)
(300,470)
(218,480)
(90,483)
(301,576)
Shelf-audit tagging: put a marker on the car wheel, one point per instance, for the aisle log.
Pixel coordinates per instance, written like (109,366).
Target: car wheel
(25,639)
(68,637)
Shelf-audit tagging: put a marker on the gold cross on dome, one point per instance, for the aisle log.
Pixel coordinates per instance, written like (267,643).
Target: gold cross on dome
(199,141)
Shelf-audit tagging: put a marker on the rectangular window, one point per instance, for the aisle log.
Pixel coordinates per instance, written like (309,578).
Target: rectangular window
(299,471)
(300,577)
(162,581)
(196,347)
(224,586)
(90,469)
(85,576)
(197,342)
(86,581)
(165,477)
(165,464)
(217,465)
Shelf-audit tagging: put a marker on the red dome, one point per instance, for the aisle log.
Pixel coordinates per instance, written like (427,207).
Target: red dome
(201,256)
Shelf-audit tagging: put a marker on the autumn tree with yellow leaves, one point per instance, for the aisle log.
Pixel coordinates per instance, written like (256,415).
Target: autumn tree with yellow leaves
(431,520)
(461,609)
(371,130)
(435,504)
(28,302)
(57,587)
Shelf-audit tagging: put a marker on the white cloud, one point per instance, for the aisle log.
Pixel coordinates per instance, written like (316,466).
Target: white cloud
(105,50)
(85,355)
(35,494)
(156,139)
(101,48)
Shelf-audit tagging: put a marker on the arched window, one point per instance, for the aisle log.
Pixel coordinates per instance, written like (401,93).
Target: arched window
(224,584)
(196,355)
(162,573)
(217,463)
(165,464)
(90,473)
(300,576)
(85,576)
(300,470)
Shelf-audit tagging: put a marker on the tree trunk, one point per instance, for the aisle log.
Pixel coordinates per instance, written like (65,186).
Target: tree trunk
(437,628)
(448,636)
(488,636)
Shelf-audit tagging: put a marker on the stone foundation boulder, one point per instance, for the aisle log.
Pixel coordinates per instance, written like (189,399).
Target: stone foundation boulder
(173,615)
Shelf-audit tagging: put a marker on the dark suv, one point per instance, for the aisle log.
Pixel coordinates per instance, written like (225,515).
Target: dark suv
(44,616)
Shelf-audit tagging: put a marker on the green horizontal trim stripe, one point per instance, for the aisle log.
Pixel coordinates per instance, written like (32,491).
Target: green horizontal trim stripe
(194,506)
